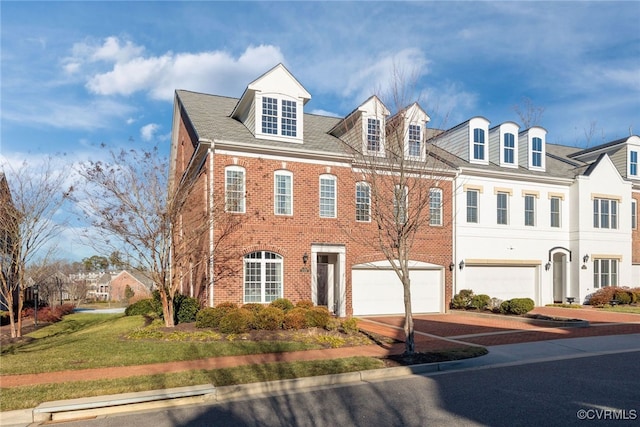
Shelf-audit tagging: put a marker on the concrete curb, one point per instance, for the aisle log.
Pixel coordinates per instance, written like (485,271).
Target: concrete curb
(566,322)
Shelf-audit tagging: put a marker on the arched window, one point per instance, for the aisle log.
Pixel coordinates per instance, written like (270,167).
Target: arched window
(262,277)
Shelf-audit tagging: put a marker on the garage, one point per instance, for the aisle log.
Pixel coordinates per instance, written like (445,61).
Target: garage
(502,282)
(377,289)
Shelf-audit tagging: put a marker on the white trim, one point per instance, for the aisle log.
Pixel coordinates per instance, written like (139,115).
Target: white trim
(276,173)
(328,177)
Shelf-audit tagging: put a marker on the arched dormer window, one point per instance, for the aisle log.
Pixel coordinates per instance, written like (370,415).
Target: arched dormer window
(479,151)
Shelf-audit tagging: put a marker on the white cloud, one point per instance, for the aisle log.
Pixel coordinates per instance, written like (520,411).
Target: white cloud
(147,132)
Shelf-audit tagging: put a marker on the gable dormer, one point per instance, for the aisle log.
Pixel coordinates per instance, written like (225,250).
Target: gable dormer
(272,106)
(407,130)
(632,154)
(532,148)
(362,129)
(503,144)
(468,140)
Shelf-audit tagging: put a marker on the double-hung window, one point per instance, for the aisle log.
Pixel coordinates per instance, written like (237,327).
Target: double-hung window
(234,186)
(509,148)
(478,144)
(283,193)
(270,115)
(536,152)
(262,277)
(633,163)
(472,206)
(435,206)
(555,212)
(363,202)
(529,210)
(415,140)
(502,205)
(605,213)
(289,118)
(605,273)
(327,196)
(373,135)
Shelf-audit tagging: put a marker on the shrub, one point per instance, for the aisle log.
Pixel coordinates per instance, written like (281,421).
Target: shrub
(295,318)
(350,326)
(142,307)
(270,319)
(333,324)
(517,306)
(210,317)
(622,296)
(4,318)
(304,304)
(462,299)
(282,303)
(253,307)
(317,317)
(480,302)
(186,308)
(236,321)
(603,296)
(494,304)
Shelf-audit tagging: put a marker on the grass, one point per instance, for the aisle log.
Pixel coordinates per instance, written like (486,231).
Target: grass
(622,309)
(31,396)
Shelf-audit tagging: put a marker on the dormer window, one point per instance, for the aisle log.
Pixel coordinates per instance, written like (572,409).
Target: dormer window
(289,122)
(415,139)
(288,117)
(633,163)
(270,115)
(373,135)
(478,144)
(509,148)
(536,152)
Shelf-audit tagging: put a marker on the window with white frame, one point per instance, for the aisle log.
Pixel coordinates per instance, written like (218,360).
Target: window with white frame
(555,211)
(373,135)
(289,118)
(327,196)
(269,115)
(279,117)
(435,206)
(283,193)
(262,277)
(478,144)
(400,204)
(415,140)
(234,189)
(605,273)
(472,206)
(502,205)
(633,163)
(509,148)
(363,202)
(536,152)
(634,214)
(529,210)
(605,213)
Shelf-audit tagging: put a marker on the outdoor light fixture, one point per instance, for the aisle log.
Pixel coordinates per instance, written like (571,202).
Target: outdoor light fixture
(305,258)
(547,266)
(452,266)
(585,258)
(461,265)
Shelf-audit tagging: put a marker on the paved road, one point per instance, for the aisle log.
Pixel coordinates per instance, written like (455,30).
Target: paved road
(601,388)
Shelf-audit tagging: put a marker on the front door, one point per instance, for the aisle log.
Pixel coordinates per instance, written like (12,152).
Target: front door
(559,277)
(323,288)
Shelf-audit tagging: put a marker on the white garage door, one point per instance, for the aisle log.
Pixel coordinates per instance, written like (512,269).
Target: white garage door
(503,282)
(379,290)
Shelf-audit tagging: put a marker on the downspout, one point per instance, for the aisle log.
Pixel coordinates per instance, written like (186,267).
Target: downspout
(454,232)
(211,224)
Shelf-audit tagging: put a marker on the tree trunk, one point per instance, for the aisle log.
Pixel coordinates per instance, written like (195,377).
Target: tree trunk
(410,346)
(167,309)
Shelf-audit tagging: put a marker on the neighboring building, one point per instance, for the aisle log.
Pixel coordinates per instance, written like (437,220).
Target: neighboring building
(140,284)
(8,254)
(517,216)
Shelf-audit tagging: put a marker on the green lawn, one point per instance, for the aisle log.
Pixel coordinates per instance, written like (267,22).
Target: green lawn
(623,309)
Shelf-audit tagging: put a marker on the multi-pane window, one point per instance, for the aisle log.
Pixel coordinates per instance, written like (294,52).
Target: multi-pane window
(234,185)
(536,152)
(289,118)
(555,211)
(435,206)
(472,206)
(605,273)
(283,193)
(509,147)
(363,202)
(415,140)
(400,204)
(270,115)
(634,214)
(478,144)
(262,277)
(605,213)
(373,135)
(328,196)
(633,163)
(529,210)
(502,208)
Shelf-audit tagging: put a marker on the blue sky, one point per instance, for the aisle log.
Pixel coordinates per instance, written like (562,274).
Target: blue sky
(78,74)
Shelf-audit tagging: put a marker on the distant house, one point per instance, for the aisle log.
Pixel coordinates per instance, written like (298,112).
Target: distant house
(140,284)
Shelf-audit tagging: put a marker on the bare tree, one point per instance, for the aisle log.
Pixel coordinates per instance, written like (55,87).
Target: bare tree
(529,113)
(129,203)
(404,179)
(29,223)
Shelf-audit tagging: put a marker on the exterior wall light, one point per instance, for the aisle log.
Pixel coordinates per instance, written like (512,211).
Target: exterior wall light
(547,266)
(305,258)
(461,265)
(585,259)
(452,266)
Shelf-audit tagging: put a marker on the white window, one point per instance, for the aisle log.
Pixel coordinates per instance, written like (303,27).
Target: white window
(605,273)
(555,212)
(415,140)
(634,214)
(478,144)
(270,116)
(289,118)
(400,204)
(605,213)
(509,148)
(472,206)
(529,210)
(373,135)
(633,163)
(278,118)
(502,205)
(327,196)
(283,193)
(363,202)
(262,277)
(536,152)
(435,206)
(234,189)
